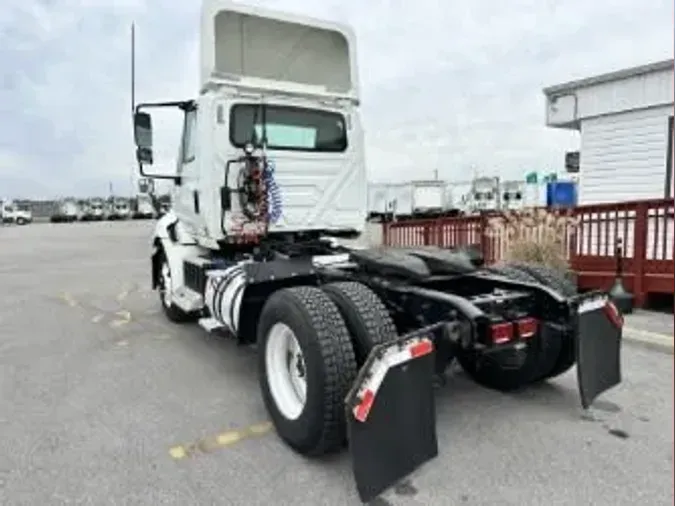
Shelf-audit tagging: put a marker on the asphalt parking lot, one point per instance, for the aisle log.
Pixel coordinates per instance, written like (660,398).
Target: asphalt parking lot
(104,402)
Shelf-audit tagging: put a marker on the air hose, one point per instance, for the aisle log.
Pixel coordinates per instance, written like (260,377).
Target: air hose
(274,207)
(259,193)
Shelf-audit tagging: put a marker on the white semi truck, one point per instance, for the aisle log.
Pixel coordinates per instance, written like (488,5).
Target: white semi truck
(270,175)
(117,208)
(93,210)
(143,208)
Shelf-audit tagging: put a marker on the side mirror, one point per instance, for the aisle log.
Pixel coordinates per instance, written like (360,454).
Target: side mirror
(143,129)
(143,137)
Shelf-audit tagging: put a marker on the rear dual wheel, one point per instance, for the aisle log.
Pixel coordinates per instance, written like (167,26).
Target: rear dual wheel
(311,343)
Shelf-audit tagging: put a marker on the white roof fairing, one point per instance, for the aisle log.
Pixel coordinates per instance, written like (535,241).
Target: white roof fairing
(261,48)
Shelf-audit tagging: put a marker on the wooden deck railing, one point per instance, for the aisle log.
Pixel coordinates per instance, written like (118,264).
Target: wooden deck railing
(645,229)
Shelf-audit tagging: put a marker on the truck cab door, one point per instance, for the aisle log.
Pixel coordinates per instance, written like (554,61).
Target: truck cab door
(187,202)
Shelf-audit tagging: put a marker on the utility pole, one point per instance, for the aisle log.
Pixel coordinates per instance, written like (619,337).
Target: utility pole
(133,97)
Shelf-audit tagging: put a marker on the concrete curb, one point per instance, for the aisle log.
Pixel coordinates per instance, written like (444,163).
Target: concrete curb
(650,340)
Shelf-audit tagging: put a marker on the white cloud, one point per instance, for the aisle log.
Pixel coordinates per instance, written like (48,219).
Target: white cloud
(447,85)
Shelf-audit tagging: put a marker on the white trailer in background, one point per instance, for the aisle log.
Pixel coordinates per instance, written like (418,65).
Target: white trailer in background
(379,201)
(428,198)
(413,199)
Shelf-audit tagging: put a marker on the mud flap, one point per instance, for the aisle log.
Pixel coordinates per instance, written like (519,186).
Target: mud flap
(391,413)
(598,345)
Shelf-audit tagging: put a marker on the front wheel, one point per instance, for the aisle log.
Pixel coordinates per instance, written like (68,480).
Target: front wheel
(165,291)
(306,366)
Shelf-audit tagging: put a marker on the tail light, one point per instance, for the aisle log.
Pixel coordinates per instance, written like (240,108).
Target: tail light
(501,332)
(527,327)
(504,332)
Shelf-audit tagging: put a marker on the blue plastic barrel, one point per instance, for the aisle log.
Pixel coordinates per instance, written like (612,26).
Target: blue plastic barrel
(561,194)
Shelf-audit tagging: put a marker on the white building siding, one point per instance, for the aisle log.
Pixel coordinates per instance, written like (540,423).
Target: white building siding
(623,156)
(568,107)
(637,92)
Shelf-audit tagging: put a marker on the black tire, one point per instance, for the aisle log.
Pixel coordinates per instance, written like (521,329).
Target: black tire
(512,273)
(561,283)
(329,365)
(540,355)
(549,277)
(172,312)
(366,317)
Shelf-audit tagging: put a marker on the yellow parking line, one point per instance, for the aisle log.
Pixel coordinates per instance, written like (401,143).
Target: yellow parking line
(125,317)
(219,441)
(122,295)
(68,299)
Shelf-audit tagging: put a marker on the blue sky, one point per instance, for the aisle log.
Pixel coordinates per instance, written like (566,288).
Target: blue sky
(452,85)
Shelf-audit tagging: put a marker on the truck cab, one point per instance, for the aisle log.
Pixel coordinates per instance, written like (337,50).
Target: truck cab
(93,210)
(484,195)
(299,112)
(118,209)
(12,212)
(513,195)
(143,208)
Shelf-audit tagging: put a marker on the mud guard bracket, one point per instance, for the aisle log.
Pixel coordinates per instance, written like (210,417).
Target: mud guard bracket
(598,345)
(391,413)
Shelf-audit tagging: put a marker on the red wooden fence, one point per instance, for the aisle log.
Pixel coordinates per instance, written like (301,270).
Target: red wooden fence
(645,228)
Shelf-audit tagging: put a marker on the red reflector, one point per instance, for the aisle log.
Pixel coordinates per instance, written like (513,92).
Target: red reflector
(613,314)
(501,332)
(527,327)
(361,411)
(422,348)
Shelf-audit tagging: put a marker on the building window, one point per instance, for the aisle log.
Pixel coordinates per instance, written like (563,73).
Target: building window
(669,193)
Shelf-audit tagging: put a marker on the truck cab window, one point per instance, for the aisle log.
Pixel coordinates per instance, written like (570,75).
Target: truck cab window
(189,136)
(288,128)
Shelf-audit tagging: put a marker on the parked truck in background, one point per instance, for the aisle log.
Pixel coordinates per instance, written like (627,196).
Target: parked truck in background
(348,340)
(142,207)
(13,212)
(93,209)
(117,208)
(512,195)
(68,211)
(483,195)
